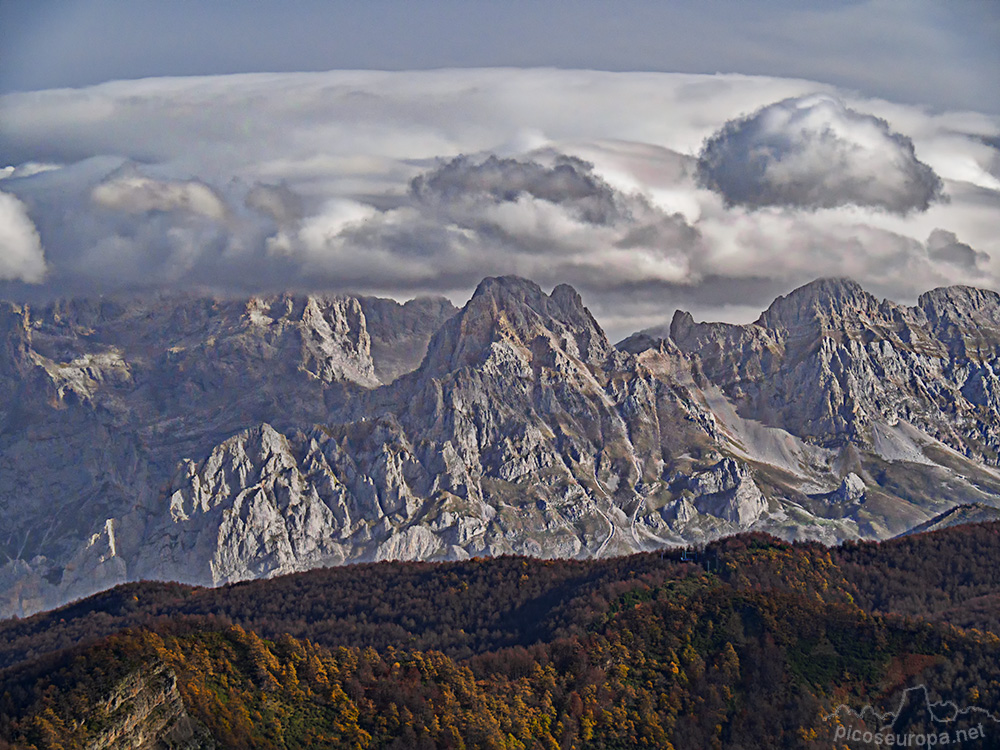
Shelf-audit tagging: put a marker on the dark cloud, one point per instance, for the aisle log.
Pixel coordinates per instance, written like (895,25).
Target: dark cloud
(279,202)
(568,182)
(813,152)
(944,246)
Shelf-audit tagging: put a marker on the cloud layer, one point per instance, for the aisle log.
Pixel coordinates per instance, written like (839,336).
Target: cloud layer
(813,152)
(645,191)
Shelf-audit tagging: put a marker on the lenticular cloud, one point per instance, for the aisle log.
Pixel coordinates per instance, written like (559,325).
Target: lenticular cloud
(813,152)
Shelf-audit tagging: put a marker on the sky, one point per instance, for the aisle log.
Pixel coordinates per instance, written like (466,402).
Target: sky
(706,155)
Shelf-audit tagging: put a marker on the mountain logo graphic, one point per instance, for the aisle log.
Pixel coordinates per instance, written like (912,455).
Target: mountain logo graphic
(916,722)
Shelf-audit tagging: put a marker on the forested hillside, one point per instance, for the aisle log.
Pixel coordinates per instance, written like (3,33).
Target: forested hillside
(747,643)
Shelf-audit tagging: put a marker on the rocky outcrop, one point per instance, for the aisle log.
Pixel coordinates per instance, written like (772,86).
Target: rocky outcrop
(727,491)
(264,503)
(851,490)
(145,711)
(517,434)
(103,398)
(400,333)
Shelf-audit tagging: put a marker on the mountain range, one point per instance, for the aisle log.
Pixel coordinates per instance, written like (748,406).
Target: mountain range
(206,441)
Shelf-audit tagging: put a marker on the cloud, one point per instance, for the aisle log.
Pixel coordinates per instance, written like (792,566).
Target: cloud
(21,255)
(424,182)
(279,202)
(137,194)
(568,182)
(27,169)
(548,216)
(814,152)
(796,247)
(944,246)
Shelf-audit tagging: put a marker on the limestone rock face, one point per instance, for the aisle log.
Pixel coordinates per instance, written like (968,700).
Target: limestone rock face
(400,333)
(209,441)
(851,490)
(103,398)
(882,410)
(728,491)
(517,434)
(829,363)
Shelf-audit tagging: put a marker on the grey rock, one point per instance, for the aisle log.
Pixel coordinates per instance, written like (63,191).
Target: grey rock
(145,709)
(400,332)
(829,361)
(727,491)
(103,398)
(851,490)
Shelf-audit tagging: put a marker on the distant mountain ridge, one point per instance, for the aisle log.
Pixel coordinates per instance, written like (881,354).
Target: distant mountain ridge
(850,360)
(206,441)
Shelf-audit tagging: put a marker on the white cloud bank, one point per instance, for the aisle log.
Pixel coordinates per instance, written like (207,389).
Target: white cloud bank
(402,183)
(21,256)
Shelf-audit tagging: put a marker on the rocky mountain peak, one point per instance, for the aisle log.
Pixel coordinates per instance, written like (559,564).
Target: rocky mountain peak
(517,296)
(509,288)
(965,319)
(828,302)
(568,299)
(515,312)
(829,362)
(834,416)
(960,299)
(681,325)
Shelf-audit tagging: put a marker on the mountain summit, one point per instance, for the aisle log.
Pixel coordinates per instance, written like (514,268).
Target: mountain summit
(514,311)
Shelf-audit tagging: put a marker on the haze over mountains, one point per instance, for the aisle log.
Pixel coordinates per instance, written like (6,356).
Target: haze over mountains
(202,440)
